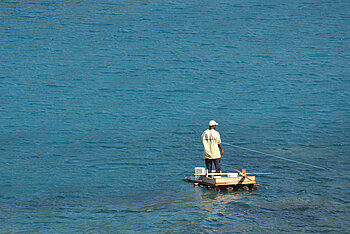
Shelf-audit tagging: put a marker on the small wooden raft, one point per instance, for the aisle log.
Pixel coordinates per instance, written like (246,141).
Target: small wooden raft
(225,181)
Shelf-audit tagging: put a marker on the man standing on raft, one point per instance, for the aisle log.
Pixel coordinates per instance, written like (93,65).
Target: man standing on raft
(212,142)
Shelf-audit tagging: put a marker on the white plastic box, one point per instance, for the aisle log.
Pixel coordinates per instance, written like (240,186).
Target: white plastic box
(199,170)
(232,174)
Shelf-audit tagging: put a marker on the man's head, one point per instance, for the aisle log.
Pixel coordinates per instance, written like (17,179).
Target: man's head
(212,124)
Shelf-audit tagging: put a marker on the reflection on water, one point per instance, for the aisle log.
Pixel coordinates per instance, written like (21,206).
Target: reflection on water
(215,204)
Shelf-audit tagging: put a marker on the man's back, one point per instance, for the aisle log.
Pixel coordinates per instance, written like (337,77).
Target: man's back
(211,139)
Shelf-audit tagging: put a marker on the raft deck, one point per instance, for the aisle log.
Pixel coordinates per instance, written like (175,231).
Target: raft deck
(217,182)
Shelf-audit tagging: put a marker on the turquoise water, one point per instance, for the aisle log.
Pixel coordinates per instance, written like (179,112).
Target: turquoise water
(102,104)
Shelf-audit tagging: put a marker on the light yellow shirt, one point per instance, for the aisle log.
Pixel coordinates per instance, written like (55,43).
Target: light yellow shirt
(210,140)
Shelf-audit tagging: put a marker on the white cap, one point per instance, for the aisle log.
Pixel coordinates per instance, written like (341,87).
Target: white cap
(212,123)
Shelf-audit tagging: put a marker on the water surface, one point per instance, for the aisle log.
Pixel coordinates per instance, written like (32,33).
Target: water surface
(103,103)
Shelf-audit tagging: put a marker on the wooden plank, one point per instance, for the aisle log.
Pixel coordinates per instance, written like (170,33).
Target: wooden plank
(229,180)
(235,180)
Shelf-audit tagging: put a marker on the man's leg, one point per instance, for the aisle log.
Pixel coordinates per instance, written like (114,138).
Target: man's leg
(208,164)
(217,165)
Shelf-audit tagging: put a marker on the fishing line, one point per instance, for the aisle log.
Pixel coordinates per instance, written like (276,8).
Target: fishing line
(275,156)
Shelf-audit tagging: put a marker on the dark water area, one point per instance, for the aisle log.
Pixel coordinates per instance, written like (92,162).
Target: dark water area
(102,104)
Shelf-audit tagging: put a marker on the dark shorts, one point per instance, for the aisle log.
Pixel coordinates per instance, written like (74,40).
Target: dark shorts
(209,163)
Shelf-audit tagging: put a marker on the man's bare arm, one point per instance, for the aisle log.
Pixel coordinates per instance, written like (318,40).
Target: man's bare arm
(222,150)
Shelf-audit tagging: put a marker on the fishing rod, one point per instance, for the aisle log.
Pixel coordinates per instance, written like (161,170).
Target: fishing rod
(275,156)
